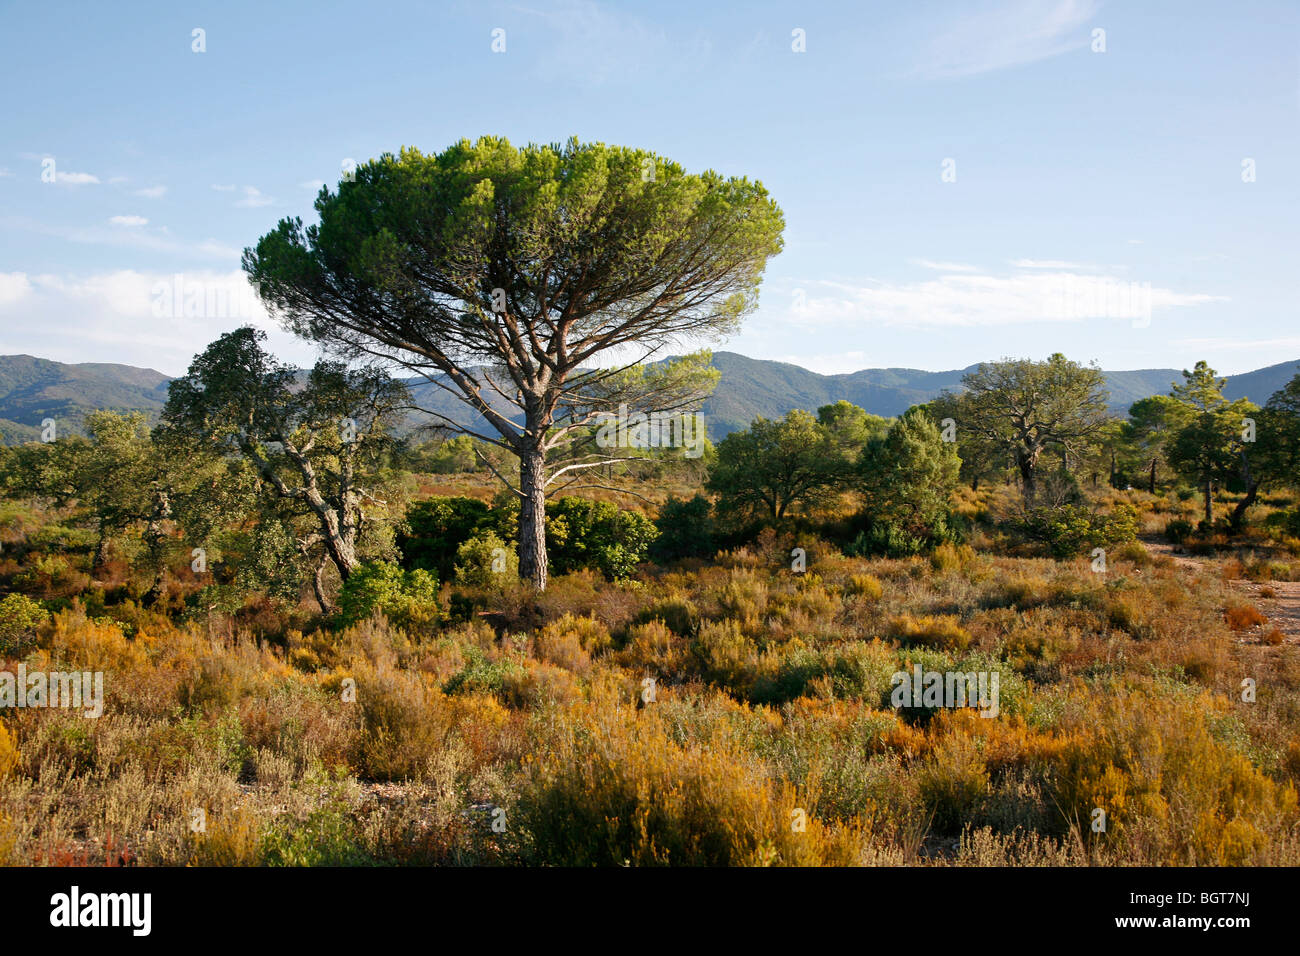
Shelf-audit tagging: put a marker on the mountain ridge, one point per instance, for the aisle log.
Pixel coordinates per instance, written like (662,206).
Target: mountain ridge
(33,388)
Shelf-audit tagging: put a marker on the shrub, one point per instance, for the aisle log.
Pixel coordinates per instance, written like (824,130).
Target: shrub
(940,632)
(954,782)
(406,598)
(595,534)
(484,562)
(1069,530)
(20,616)
(685,529)
(1242,617)
(434,528)
(633,794)
(1178,530)
(8,752)
(865,586)
(677,612)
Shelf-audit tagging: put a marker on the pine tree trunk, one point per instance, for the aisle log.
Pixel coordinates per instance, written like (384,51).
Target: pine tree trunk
(1209,503)
(532,518)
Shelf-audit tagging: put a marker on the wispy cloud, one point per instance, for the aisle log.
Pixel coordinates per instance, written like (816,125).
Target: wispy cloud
(982,300)
(1007,34)
(153,319)
(128,220)
(943,266)
(314,185)
(253,198)
(75,179)
(1046,264)
(152,192)
(151,240)
(595,43)
(224,188)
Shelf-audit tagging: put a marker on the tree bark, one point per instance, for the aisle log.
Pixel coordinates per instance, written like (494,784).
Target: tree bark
(1026,465)
(1153,476)
(1209,503)
(318,586)
(1238,517)
(532,517)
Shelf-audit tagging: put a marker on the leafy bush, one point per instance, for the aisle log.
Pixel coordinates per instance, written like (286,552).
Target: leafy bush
(406,598)
(596,534)
(940,632)
(436,527)
(485,562)
(19,618)
(685,529)
(1178,530)
(1068,530)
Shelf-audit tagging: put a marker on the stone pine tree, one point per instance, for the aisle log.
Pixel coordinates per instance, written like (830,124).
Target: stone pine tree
(520,280)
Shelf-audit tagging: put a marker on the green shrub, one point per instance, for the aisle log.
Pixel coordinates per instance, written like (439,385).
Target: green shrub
(436,527)
(1069,530)
(406,598)
(20,616)
(685,529)
(485,562)
(595,534)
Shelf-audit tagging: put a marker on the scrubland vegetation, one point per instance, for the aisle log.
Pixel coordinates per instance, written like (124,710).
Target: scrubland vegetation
(725,703)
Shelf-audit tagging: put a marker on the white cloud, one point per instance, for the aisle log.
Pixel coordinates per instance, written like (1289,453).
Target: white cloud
(75,179)
(128,220)
(149,319)
(223,189)
(253,198)
(13,287)
(943,266)
(980,300)
(1046,264)
(152,192)
(152,240)
(314,185)
(5,172)
(1002,35)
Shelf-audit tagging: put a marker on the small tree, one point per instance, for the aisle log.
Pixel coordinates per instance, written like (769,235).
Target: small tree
(1025,408)
(1151,426)
(775,465)
(315,440)
(908,476)
(1209,448)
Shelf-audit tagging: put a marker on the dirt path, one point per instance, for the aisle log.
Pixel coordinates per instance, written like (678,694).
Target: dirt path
(1279,601)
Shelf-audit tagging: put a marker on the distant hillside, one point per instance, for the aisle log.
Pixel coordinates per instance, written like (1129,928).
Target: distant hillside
(33,389)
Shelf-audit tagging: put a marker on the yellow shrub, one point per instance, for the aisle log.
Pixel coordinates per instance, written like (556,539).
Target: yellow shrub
(866,586)
(941,632)
(8,753)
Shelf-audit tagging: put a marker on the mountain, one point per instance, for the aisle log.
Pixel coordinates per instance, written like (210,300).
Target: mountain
(32,389)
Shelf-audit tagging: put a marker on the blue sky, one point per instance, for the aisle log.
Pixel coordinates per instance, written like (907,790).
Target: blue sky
(1101,204)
